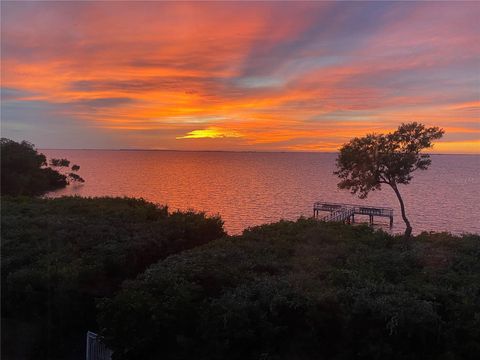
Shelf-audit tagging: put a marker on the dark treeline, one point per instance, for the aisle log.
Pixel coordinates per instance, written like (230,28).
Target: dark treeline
(304,290)
(290,290)
(25,171)
(60,255)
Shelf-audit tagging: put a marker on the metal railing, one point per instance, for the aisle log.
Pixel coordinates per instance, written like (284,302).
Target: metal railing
(339,215)
(358,209)
(377,211)
(96,349)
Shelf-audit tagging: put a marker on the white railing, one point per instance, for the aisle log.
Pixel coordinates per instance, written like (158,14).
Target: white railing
(96,349)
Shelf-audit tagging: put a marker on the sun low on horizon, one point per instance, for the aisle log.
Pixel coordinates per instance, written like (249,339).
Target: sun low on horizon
(253,76)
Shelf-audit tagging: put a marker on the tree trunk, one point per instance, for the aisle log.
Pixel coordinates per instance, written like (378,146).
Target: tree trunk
(408,230)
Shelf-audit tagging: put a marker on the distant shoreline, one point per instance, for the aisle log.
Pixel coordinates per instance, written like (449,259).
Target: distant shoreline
(236,151)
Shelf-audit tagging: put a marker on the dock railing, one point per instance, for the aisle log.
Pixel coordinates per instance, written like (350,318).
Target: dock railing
(347,212)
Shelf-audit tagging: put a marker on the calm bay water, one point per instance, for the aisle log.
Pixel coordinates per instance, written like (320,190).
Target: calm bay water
(249,189)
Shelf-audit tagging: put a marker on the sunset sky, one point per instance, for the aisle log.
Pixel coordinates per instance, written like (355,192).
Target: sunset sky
(237,76)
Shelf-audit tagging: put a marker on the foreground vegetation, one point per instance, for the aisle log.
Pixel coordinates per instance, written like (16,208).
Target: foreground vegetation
(59,255)
(304,290)
(174,286)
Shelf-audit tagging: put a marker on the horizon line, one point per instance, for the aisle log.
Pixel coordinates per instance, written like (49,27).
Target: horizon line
(227,151)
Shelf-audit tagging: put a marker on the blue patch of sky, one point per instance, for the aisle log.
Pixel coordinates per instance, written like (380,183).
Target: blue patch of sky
(46,125)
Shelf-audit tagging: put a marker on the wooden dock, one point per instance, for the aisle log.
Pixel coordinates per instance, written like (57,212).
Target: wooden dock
(346,212)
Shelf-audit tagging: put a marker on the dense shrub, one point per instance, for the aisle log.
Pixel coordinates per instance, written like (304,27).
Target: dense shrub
(25,172)
(304,290)
(59,255)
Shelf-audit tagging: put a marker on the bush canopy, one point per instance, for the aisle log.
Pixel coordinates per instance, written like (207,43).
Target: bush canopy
(304,290)
(25,171)
(59,255)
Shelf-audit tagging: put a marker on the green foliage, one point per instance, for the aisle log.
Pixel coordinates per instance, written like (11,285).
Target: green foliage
(290,290)
(64,163)
(364,164)
(59,162)
(304,290)
(75,177)
(59,255)
(25,172)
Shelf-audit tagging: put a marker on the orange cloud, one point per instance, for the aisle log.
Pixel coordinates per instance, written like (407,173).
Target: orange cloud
(464,147)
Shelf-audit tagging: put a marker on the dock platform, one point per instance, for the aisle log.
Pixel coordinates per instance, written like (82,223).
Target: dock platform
(346,212)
